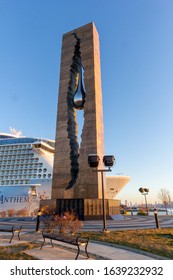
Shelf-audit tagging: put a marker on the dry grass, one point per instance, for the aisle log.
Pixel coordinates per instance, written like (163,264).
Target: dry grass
(15,252)
(156,241)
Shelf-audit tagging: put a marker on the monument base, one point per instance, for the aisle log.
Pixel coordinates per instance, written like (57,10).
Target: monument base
(88,209)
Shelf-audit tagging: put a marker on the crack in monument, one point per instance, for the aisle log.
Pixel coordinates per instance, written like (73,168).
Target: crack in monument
(75,101)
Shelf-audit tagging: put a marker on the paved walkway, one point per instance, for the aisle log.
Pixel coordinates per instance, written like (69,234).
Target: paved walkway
(62,251)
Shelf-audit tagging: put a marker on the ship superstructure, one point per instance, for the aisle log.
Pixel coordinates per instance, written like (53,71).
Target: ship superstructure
(25,173)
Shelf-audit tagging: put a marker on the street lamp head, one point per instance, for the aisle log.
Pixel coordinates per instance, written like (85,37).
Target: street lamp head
(141,190)
(93,160)
(144,190)
(109,160)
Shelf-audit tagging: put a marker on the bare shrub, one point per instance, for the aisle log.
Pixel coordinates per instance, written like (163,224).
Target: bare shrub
(73,223)
(22,212)
(3,214)
(67,222)
(10,212)
(142,212)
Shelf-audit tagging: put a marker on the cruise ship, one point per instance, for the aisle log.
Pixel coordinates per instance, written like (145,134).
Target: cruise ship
(26,166)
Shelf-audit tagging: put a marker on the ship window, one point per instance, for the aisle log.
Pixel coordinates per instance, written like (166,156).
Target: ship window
(40,170)
(49,175)
(39,175)
(44,170)
(44,175)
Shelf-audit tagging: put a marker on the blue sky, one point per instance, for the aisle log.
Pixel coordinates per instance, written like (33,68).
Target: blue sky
(137,79)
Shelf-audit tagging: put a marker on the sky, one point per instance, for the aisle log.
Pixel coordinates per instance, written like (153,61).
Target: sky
(136,48)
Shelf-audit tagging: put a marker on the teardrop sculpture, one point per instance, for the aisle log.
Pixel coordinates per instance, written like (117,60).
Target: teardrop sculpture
(79,95)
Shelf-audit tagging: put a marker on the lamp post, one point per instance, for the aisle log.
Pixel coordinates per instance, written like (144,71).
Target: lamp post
(38,220)
(93,161)
(145,192)
(156,218)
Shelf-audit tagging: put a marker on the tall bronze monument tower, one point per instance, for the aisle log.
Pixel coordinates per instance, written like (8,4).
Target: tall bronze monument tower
(74,182)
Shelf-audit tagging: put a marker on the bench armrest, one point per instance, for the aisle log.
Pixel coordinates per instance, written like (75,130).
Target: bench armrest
(17,228)
(80,239)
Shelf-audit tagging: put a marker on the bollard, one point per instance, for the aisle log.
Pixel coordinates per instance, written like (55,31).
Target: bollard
(38,220)
(156,218)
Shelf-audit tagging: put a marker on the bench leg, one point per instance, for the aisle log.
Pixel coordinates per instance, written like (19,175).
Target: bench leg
(11,237)
(86,250)
(18,235)
(78,251)
(51,242)
(42,243)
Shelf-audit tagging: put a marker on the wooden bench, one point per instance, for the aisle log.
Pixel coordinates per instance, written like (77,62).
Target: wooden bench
(12,229)
(76,241)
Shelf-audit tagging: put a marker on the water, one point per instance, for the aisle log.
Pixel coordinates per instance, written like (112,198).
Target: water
(159,211)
